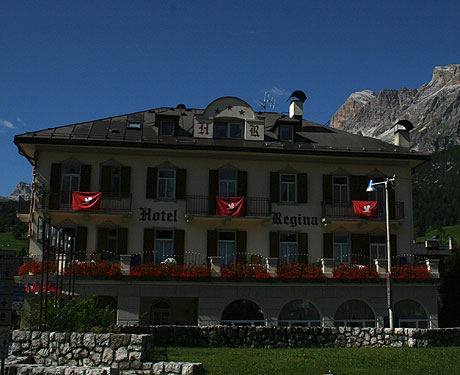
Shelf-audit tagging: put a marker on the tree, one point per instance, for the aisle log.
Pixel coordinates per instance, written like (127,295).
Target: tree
(449,315)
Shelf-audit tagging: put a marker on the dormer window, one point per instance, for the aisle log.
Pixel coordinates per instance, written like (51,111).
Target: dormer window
(232,130)
(167,126)
(134,125)
(286,133)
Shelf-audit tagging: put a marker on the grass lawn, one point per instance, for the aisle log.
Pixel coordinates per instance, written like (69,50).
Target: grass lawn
(8,242)
(342,361)
(453,230)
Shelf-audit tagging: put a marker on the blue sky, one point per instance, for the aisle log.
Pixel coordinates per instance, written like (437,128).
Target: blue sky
(64,62)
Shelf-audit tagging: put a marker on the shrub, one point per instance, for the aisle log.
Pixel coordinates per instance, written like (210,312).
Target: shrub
(164,272)
(299,272)
(353,272)
(410,272)
(243,271)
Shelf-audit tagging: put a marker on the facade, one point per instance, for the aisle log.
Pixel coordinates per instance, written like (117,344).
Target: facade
(160,171)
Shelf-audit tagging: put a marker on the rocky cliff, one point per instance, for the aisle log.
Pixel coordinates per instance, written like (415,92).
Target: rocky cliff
(433,108)
(23,190)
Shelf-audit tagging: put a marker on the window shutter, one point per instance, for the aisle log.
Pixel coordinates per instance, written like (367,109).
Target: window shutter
(302,247)
(213,190)
(152,181)
(212,244)
(328,247)
(149,245)
(274,245)
(358,185)
(55,186)
(391,201)
(302,188)
(179,242)
(360,249)
(106,180)
(394,250)
(242,190)
(125,181)
(181,182)
(122,240)
(327,189)
(80,243)
(85,178)
(102,239)
(275,187)
(241,247)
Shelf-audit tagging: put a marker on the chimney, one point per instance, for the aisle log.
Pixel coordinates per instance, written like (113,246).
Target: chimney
(296,107)
(402,136)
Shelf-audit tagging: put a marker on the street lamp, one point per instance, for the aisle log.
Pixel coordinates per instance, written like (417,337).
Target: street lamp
(371,188)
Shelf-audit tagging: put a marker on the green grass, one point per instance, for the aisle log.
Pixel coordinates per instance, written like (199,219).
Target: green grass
(450,231)
(342,361)
(8,242)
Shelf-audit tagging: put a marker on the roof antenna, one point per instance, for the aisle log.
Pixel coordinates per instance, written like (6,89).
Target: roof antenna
(269,101)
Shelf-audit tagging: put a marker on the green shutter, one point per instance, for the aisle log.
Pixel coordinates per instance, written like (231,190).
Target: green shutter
(181,183)
(106,180)
(125,181)
(360,249)
(302,188)
(212,244)
(55,186)
(152,178)
(179,243)
(327,189)
(241,247)
(122,240)
(275,187)
(149,245)
(274,245)
(102,240)
(80,243)
(85,178)
(358,185)
(328,247)
(213,190)
(392,200)
(302,248)
(394,250)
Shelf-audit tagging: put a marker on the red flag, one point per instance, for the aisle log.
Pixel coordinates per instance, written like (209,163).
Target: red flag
(366,209)
(231,206)
(86,200)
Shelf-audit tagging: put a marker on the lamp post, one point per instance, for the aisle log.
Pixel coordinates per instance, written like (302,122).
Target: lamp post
(371,188)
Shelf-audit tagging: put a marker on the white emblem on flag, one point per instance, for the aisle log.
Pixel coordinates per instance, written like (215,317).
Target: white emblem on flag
(367,209)
(231,206)
(88,200)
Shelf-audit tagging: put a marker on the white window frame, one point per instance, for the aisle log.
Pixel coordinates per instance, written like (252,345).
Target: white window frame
(339,257)
(380,251)
(161,252)
(289,250)
(287,185)
(342,198)
(167,124)
(172,180)
(229,184)
(291,133)
(224,248)
(134,125)
(65,197)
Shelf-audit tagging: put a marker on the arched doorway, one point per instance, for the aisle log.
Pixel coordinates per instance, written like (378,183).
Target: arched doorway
(160,313)
(243,312)
(299,313)
(354,313)
(410,314)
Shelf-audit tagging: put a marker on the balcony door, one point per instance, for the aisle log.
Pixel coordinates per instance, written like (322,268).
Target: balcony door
(70,182)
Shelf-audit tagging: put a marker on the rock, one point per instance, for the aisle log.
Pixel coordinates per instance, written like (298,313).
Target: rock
(121,354)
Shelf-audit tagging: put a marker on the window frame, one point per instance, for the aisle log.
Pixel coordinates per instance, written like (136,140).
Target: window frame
(173,179)
(284,246)
(347,186)
(291,133)
(163,241)
(373,242)
(348,243)
(288,184)
(70,175)
(228,129)
(227,183)
(134,125)
(227,258)
(166,121)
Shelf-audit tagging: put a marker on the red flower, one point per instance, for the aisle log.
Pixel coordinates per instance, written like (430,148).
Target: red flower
(410,272)
(353,272)
(299,272)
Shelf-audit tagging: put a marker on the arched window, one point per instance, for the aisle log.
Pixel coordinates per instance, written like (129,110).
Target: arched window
(161,313)
(410,314)
(354,313)
(299,313)
(243,312)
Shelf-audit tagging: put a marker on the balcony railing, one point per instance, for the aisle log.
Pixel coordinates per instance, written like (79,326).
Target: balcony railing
(345,211)
(205,205)
(110,204)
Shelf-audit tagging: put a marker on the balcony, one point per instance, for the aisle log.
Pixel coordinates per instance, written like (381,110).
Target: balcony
(109,204)
(344,211)
(205,206)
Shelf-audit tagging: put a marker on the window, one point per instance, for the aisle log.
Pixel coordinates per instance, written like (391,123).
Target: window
(354,313)
(288,187)
(341,248)
(228,130)
(286,133)
(226,247)
(112,241)
(288,248)
(243,312)
(166,183)
(134,125)
(115,181)
(340,189)
(228,183)
(410,314)
(70,182)
(167,126)
(299,313)
(161,313)
(378,247)
(164,245)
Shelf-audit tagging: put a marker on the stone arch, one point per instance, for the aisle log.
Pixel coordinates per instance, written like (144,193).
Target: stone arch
(299,312)
(354,313)
(243,312)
